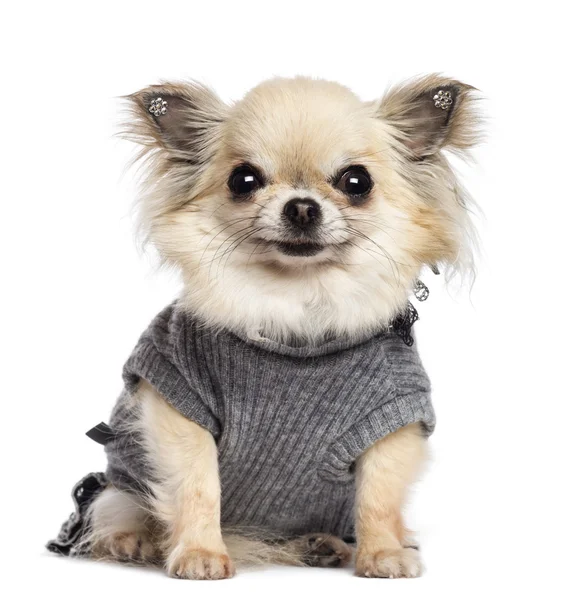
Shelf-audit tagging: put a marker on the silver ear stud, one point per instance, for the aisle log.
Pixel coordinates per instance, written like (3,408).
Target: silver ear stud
(158,107)
(443,99)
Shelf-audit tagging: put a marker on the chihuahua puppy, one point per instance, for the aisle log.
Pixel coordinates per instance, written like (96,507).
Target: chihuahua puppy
(273,413)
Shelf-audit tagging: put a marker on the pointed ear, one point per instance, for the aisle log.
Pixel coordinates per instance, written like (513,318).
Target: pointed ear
(179,118)
(431,113)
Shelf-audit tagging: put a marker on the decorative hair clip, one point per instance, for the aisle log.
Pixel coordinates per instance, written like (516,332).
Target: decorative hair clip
(443,99)
(158,107)
(420,291)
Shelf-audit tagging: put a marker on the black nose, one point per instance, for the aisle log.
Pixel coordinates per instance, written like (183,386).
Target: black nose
(302,212)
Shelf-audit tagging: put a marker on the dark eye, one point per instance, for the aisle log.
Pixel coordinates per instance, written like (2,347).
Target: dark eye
(355,182)
(244,180)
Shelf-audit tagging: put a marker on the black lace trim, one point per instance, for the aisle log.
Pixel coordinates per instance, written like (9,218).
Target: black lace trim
(402,324)
(69,542)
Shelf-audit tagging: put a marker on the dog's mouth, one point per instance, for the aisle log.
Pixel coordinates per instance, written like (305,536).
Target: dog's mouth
(299,249)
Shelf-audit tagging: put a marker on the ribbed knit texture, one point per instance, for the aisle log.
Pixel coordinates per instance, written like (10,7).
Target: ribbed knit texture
(289,421)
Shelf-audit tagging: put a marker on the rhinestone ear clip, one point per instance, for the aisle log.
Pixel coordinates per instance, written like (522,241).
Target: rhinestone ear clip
(443,99)
(158,107)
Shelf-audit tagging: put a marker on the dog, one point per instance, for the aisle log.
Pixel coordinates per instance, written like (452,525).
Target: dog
(278,410)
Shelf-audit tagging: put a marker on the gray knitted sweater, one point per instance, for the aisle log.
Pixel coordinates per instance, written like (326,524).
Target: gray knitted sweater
(289,422)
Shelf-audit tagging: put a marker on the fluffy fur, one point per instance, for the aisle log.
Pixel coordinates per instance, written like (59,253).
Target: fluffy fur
(299,135)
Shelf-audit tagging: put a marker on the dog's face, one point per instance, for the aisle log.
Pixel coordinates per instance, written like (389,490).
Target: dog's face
(301,188)
(303,164)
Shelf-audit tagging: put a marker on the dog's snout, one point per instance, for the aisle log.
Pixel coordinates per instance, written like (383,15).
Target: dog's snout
(302,212)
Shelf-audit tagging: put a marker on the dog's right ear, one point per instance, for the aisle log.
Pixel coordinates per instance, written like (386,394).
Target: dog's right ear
(181,119)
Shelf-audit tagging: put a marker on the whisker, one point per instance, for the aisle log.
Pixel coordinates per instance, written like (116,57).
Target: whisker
(222,244)
(240,241)
(385,253)
(251,254)
(221,231)
(241,234)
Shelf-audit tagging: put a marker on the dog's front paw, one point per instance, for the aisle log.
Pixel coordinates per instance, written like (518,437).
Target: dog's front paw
(199,563)
(391,563)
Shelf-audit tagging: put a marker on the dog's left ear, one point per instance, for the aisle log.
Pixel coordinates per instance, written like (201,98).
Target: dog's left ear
(432,113)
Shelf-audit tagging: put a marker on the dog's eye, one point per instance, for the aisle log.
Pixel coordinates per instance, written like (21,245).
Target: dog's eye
(244,180)
(355,182)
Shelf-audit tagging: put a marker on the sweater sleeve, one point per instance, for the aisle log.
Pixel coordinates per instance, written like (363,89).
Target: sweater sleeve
(158,358)
(407,401)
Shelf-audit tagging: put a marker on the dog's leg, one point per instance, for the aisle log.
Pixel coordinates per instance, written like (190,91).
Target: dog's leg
(186,489)
(383,474)
(120,528)
(320,550)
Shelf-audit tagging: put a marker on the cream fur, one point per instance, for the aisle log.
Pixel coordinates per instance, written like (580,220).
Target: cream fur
(186,495)
(383,474)
(300,133)
(121,528)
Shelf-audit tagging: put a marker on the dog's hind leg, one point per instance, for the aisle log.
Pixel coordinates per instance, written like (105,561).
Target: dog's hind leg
(121,528)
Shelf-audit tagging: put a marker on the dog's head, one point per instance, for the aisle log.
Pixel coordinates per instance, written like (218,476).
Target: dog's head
(301,210)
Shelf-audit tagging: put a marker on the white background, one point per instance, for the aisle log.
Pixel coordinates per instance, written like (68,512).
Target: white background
(499,510)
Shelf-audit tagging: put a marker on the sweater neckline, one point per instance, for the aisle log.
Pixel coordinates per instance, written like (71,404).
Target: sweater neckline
(307,351)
